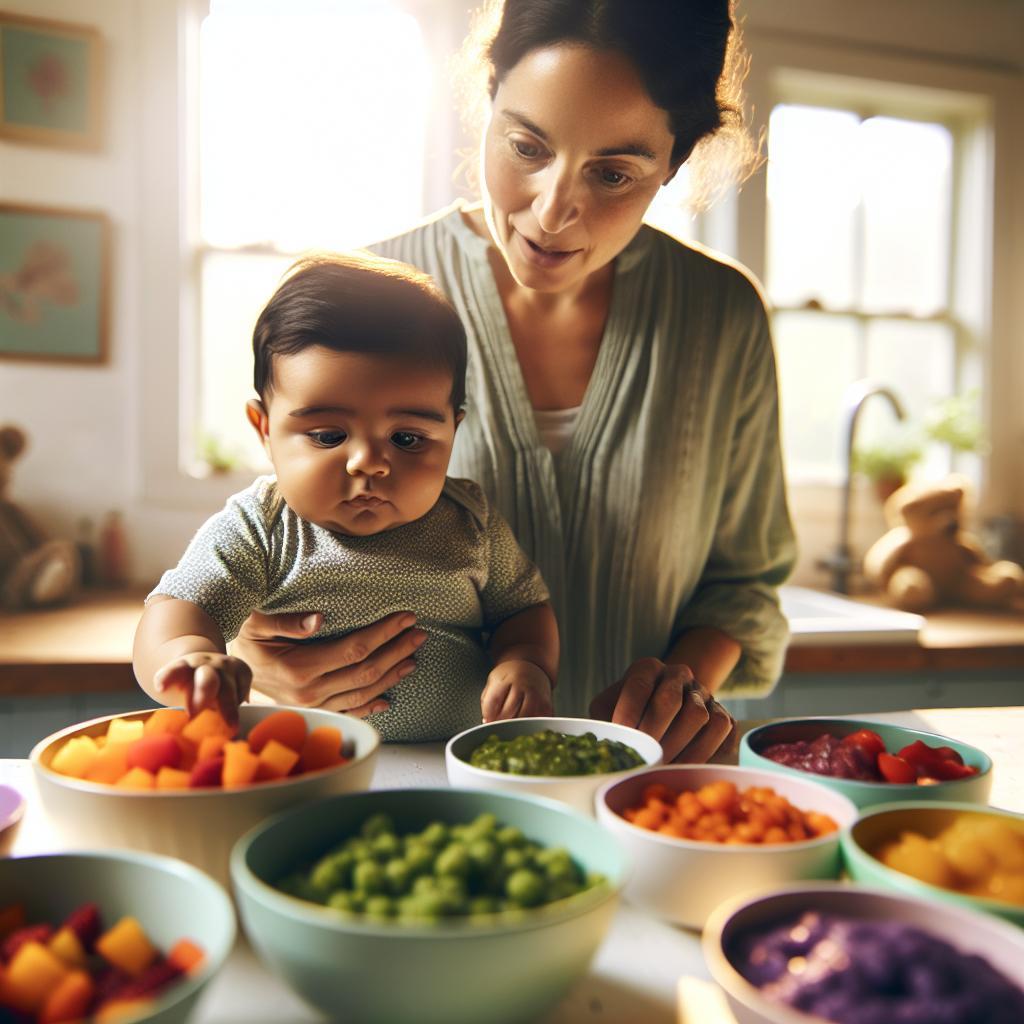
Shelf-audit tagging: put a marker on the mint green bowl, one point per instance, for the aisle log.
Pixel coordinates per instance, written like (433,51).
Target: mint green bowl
(885,822)
(974,789)
(452,972)
(170,899)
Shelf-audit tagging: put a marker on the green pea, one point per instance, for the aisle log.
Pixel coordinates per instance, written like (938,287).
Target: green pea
(369,877)
(525,887)
(420,858)
(480,905)
(344,901)
(482,854)
(399,875)
(331,872)
(513,860)
(385,846)
(453,860)
(435,834)
(379,906)
(509,836)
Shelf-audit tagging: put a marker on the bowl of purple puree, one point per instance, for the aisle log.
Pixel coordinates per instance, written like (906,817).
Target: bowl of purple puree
(844,769)
(850,955)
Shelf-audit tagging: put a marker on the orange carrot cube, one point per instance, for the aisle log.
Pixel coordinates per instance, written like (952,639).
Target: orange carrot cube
(136,778)
(70,1000)
(33,973)
(110,764)
(287,727)
(127,947)
(186,956)
(207,723)
(68,946)
(322,749)
(172,778)
(276,761)
(240,765)
(210,746)
(166,721)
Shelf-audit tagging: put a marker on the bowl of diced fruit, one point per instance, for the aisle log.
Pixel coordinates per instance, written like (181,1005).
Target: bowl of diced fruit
(871,762)
(189,787)
(428,906)
(118,936)
(953,852)
(566,759)
(698,834)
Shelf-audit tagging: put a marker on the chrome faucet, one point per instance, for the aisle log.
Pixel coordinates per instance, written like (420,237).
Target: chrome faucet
(840,563)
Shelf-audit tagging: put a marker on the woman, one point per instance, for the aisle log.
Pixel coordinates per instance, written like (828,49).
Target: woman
(622,406)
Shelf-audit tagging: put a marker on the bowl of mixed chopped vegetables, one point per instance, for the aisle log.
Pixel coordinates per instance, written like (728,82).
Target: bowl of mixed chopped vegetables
(567,759)
(428,905)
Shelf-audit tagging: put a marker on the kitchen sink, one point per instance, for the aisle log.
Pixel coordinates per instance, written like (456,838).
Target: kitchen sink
(818,617)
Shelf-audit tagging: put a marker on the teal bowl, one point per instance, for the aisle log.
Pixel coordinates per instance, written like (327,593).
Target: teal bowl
(886,822)
(453,972)
(170,899)
(974,789)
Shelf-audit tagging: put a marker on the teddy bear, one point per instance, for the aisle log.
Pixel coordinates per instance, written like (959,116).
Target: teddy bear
(35,571)
(927,560)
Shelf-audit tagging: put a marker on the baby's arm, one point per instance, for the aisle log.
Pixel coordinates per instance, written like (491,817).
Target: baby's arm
(525,653)
(179,657)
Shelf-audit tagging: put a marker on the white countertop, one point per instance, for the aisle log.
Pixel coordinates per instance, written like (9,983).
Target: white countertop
(636,971)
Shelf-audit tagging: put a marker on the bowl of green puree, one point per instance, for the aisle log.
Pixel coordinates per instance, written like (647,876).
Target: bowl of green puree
(428,905)
(566,759)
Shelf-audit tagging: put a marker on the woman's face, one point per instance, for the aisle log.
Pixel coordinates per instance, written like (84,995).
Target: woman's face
(574,152)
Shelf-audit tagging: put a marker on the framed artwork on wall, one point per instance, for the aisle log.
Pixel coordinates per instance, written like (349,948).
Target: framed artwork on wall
(54,284)
(50,82)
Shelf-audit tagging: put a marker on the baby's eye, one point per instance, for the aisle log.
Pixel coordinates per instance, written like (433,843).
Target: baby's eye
(405,440)
(326,438)
(527,150)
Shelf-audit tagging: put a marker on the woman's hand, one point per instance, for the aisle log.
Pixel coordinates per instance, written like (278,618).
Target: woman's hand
(348,674)
(666,702)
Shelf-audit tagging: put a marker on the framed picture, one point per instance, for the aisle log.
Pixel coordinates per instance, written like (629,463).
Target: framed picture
(50,80)
(54,284)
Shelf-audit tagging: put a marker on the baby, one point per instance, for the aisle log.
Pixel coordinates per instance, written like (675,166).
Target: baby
(360,365)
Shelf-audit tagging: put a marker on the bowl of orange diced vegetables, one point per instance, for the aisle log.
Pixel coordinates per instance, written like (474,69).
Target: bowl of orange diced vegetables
(189,787)
(699,834)
(117,936)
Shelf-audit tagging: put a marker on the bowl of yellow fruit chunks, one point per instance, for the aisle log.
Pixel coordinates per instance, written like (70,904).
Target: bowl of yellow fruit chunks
(954,852)
(189,787)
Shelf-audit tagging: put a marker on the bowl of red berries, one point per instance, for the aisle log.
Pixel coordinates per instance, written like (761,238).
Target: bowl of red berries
(871,762)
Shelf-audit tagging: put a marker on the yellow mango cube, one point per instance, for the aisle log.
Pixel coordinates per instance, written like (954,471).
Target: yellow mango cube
(123,730)
(67,945)
(110,764)
(276,760)
(127,946)
(136,778)
(76,757)
(33,973)
(171,778)
(240,765)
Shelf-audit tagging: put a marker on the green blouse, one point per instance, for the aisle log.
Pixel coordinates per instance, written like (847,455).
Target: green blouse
(668,508)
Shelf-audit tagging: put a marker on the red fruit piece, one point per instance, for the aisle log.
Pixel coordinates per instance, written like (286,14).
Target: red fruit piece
(12,917)
(207,773)
(152,980)
(85,923)
(949,754)
(154,752)
(41,933)
(895,769)
(70,1000)
(868,740)
(287,727)
(945,770)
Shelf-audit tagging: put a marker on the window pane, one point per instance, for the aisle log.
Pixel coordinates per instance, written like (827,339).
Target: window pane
(818,356)
(812,197)
(907,195)
(312,123)
(235,288)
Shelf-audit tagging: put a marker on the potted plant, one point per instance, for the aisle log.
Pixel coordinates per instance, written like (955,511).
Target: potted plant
(888,464)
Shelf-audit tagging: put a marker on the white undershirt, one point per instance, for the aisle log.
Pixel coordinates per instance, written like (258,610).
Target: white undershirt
(556,426)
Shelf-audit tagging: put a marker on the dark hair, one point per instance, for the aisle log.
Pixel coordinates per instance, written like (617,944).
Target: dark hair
(688,53)
(358,302)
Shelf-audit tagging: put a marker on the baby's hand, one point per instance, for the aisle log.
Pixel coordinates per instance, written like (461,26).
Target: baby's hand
(208,680)
(516,689)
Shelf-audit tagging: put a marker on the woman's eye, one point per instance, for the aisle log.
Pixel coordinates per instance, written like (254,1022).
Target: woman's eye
(527,150)
(327,438)
(405,440)
(613,178)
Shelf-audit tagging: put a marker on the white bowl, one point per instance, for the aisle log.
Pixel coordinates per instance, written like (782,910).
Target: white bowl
(198,825)
(575,790)
(1001,944)
(683,880)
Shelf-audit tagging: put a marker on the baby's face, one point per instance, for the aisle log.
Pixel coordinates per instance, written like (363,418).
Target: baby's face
(360,443)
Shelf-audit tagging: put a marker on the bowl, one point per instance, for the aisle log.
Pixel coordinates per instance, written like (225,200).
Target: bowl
(198,825)
(999,943)
(575,790)
(170,900)
(12,807)
(683,880)
(886,821)
(974,789)
(501,969)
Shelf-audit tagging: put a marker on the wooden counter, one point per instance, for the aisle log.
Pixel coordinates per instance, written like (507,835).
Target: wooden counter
(86,647)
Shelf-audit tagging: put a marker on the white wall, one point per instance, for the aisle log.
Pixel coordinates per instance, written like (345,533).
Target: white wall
(90,434)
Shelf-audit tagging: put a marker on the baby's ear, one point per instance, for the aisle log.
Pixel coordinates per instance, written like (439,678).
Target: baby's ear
(256,413)
(460,415)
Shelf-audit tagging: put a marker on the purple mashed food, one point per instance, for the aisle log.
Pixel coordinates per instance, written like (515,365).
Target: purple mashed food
(874,972)
(826,755)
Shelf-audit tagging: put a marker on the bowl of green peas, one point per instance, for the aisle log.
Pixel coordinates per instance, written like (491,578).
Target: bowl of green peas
(567,759)
(428,905)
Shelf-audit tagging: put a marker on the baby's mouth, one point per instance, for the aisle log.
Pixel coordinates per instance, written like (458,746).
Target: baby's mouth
(365,501)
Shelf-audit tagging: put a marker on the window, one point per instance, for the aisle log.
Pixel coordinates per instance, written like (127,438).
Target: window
(312,130)
(869,213)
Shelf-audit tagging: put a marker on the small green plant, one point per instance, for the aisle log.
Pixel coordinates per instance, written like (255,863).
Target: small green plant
(220,457)
(890,461)
(955,421)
